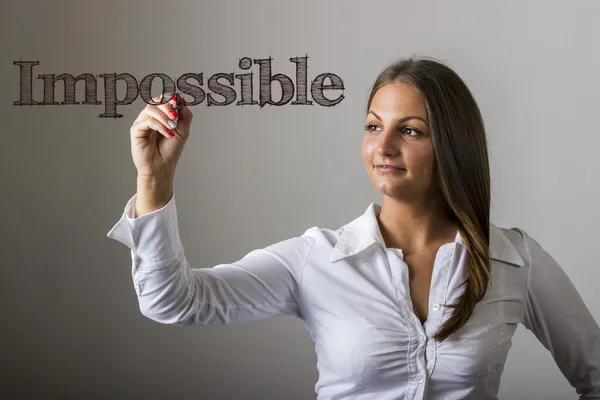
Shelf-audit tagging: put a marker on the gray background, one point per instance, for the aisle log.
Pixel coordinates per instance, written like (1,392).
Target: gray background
(249,177)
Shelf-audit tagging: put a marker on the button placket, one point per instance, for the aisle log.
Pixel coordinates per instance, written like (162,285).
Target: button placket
(418,347)
(439,289)
(394,257)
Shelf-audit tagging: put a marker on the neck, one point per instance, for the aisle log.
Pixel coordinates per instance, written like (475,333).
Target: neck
(415,226)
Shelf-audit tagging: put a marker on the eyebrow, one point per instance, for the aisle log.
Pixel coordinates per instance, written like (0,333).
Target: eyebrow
(403,118)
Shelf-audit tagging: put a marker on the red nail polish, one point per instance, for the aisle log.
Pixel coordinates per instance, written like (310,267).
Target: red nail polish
(171,133)
(173,114)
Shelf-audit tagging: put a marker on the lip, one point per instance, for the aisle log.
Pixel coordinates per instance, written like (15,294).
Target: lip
(385,167)
(389,171)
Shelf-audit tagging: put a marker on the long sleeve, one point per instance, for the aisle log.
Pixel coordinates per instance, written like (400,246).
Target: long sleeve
(558,317)
(264,283)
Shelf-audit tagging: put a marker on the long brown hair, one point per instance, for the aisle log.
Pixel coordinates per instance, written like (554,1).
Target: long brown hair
(462,167)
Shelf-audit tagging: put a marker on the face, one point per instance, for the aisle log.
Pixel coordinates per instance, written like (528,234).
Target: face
(397,133)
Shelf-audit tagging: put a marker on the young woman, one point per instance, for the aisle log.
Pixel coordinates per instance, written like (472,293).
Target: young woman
(417,298)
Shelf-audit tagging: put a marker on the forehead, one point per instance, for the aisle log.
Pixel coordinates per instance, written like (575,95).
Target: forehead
(398,98)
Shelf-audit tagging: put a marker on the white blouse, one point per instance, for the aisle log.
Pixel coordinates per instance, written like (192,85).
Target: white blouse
(352,294)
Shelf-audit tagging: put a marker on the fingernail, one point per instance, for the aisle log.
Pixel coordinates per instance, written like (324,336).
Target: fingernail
(172,124)
(170,133)
(173,114)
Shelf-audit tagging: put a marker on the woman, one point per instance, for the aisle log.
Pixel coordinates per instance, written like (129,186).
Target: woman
(417,298)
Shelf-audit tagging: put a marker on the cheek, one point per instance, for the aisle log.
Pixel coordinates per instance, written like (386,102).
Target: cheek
(367,147)
(423,158)
(364,148)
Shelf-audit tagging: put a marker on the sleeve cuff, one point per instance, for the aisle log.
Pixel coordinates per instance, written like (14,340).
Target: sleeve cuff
(153,237)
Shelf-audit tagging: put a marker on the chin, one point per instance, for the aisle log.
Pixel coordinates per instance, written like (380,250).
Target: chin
(388,190)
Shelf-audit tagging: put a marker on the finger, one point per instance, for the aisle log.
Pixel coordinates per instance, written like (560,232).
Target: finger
(148,124)
(170,108)
(162,98)
(165,107)
(161,101)
(160,115)
(185,114)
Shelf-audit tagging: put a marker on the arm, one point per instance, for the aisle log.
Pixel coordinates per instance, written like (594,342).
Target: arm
(264,283)
(558,317)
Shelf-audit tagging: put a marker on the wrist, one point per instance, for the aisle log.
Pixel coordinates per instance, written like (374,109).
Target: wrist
(153,193)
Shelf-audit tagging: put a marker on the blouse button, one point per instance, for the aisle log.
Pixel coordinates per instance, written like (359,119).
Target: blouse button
(420,378)
(436,307)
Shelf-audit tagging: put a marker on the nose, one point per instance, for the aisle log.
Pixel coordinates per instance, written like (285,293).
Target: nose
(387,145)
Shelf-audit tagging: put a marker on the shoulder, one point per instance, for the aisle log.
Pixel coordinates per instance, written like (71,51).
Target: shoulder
(327,235)
(529,248)
(300,246)
(509,244)
(514,234)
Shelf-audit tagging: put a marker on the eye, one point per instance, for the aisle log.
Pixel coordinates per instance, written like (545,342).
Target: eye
(411,129)
(371,127)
